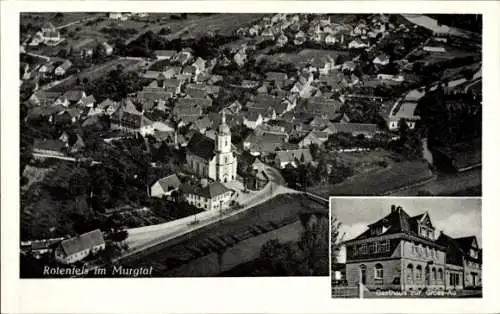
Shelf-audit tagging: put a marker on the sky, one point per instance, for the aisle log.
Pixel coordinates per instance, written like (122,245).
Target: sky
(455,216)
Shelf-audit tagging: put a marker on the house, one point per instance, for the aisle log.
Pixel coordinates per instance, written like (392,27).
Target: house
(390,77)
(186,113)
(398,252)
(300,38)
(46,69)
(404,109)
(63,68)
(252,119)
(184,56)
(101,108)
(282,40)
(165,186)
(208,196)
(202,124)
(43,98)
(293,157)
(75,96)
(330,39)
(323,65)
(88,101)
(200,64)
(324,107)
(357,44)
(151,74)
(314,137)
(108,49)
(434,48)
(49,147)
(77,248)
(267,34)
(381,60)
(365,129)
(201,102)
(463,262)
(128,119)
(278,78)
(117,16)
(240,58)
(165,54)
(265,142)
(213,158)
(73,141)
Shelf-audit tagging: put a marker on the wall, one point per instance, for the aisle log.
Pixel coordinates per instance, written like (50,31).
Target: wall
(243,252)
(392,270)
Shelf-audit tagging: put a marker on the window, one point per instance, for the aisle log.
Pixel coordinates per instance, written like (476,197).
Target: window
(434,274)
(384,246)
(225,160)
(379,271)
(409,273)
(440,272)
(418,273)
(363,249)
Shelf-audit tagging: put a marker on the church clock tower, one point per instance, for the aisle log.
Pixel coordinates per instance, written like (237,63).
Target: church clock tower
(225,160)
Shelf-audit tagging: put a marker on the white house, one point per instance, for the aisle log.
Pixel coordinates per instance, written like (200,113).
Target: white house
(165,186)
(62,68)
(381,59)
(213,196)
(77,248)
(253,120)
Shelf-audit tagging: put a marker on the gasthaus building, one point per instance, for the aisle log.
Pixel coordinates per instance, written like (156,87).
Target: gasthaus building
(397,252)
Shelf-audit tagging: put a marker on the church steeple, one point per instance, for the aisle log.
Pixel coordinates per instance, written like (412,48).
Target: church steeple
(223,136)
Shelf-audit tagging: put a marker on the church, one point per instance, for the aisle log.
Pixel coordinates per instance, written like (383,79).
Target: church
(213,158)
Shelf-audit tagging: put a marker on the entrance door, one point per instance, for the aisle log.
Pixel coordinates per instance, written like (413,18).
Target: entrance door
(363,274)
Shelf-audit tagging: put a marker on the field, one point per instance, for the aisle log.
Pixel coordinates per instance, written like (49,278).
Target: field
(363,162)
(93,73)
(380,181)
(278,212)
(223,24)
(37,19)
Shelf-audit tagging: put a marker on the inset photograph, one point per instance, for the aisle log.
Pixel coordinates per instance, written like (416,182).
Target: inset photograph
(413,247)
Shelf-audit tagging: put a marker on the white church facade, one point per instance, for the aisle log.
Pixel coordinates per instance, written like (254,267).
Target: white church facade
(213,159)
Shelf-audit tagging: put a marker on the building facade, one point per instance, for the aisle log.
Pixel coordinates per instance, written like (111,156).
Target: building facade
(398,252)
(213,196)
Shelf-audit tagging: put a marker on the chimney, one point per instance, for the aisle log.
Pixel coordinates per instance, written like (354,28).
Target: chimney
(399,208)
(393,208)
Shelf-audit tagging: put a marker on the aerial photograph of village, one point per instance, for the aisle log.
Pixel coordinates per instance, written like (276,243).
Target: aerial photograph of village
(208,144)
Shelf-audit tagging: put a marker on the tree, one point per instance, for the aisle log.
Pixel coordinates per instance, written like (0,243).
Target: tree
(118,235)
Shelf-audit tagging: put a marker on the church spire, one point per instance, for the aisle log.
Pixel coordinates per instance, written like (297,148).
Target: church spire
(223,116)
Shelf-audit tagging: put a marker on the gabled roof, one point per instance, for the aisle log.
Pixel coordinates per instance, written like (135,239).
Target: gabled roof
(169,182)
(74,95)
(165,53)
(83,242)
(363,128)
(209,191)
(202,146)
(53,145)
(302,155)
(48,25)
(65,65)
(202,102)
(276,76)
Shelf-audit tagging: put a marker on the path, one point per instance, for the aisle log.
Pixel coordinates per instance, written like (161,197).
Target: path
(38,56)
(65,158)
(140,240)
